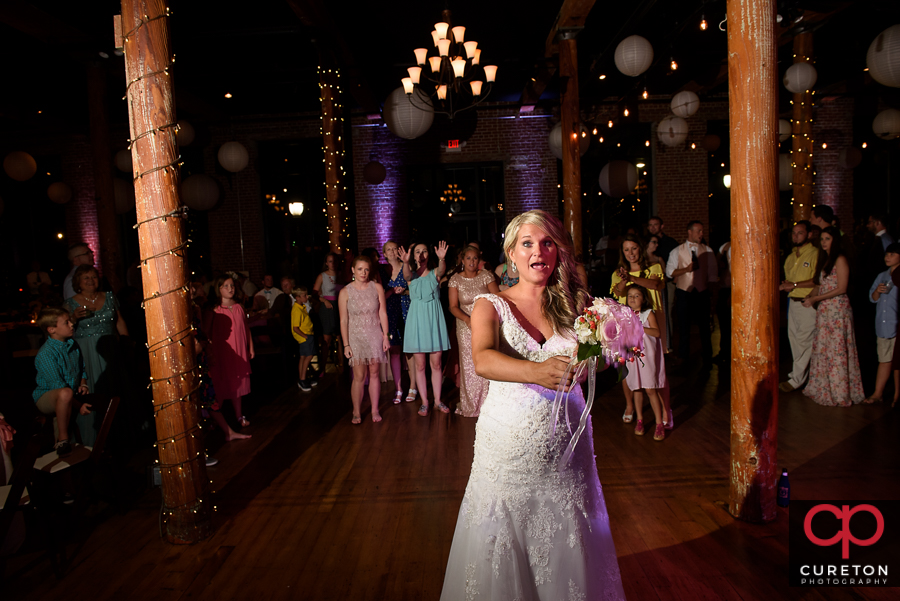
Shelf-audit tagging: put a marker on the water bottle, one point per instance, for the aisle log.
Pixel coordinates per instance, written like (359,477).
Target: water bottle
(784,490)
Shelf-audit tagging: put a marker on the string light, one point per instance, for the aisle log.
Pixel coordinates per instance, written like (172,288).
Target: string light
(673,65)
(645,94)
(703,24)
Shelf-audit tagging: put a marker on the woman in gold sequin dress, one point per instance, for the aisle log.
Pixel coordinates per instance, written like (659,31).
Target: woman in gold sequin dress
(464,287)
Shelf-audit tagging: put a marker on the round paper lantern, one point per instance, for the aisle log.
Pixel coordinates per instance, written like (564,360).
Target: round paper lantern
(233,156)
(800,77)
(374,173)
(124,195)
(685,104)
(59,193)
(785,172)
(633,55)
(849,158)
(406,119)
(710,142)
(784,130)
(618,178)
(883,57)
(672,130)
(555,141)
(887,124)
(123,161)
(200,192)
(185,133)
(19,165)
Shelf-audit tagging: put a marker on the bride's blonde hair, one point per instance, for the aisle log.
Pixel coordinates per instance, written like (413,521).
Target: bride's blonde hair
(566,293)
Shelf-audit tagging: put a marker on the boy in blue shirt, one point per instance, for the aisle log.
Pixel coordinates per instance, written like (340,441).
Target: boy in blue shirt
(884,294)
(60,373)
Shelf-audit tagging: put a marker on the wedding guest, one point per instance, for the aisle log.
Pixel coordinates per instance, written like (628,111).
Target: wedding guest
(464,287)
(79,254)
(799,272)
(327,287)
(647,374)
(268,292)
(884,294)
(396,294)
(834,377)
(364,329)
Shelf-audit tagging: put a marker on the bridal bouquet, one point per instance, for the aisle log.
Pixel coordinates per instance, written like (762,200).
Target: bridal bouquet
(604,329)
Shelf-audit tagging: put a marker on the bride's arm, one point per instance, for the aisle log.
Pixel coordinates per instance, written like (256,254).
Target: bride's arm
(490,363)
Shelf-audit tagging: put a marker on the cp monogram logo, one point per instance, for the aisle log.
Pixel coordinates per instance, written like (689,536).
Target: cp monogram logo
(844,514)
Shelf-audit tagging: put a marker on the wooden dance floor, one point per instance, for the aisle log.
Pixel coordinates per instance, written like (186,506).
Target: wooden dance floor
(315,508)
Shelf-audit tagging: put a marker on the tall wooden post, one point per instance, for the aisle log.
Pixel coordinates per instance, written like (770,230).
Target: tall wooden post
(753,111)
(333,148)
(162,237)
(571,138)
(802,142)
(110,255)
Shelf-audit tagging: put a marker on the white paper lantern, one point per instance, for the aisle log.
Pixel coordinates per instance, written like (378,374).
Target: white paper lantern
(200,192)
(850,157)
(555,141)
(407,117)
(883,57)
(19,165)
(233,156)
(123,192)
(800,77)
(123,162)
(185,133)
(685,104)
(784,130)
(618,178)
(887,124)
(59,193)
(672,130)
(633,55)
(785,172)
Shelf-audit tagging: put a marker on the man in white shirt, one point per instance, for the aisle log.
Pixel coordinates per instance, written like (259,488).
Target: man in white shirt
(693,267)
(269,291)
(79,254)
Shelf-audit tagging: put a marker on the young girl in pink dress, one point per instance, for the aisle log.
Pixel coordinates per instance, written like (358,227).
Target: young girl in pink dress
(230,346)
(647,374)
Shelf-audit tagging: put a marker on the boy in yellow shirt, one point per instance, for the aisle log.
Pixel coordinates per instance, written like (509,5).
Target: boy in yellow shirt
(302,329)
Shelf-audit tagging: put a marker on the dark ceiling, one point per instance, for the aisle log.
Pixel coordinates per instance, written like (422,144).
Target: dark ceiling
(266,53)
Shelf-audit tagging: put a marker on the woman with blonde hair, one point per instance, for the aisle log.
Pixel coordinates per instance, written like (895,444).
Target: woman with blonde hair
(543,526)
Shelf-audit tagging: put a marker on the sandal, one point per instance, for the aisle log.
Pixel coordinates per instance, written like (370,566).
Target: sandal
(423,410)
(356,420)
(398,397)
(660,432)
(442,407)
(411,395)
(628,417)
(639,428)
(243,421)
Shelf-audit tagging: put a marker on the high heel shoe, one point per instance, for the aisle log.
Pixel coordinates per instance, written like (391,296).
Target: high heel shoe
(639,428)
(670,423)
(628,417)
(659,433)
(398,398)
(244,422)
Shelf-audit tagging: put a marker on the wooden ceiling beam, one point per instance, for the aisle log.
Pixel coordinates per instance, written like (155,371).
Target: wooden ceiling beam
(572,15)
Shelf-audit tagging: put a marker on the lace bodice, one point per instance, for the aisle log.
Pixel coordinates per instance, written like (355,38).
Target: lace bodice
(516,342)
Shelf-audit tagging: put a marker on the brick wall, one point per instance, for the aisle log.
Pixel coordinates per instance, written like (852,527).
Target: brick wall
(681,174)
(833,125)
(530,169)
(81,211)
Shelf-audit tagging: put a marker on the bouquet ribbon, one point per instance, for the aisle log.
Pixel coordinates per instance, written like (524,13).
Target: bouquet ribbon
(563,396)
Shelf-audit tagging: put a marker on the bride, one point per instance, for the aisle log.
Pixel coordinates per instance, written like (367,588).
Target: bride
(528,530)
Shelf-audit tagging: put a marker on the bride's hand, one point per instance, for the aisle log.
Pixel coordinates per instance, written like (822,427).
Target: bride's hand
(551,372)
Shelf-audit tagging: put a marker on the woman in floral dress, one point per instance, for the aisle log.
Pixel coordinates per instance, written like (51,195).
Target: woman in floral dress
(834,378)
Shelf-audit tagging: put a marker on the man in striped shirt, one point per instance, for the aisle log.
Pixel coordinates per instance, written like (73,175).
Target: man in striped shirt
(60,373)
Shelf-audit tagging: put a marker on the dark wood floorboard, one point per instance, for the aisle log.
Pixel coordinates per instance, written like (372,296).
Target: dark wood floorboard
(313,507)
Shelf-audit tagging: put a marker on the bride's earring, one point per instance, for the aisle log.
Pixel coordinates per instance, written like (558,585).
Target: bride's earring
(514,267)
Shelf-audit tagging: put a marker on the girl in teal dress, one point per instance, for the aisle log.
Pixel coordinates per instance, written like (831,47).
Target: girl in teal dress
(426,328)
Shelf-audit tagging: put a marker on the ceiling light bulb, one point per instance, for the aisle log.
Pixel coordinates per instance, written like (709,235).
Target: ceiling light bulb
(601,139)
(864,144)
(610,124)
(603,77)
(673,65)
(625,112)
(227,94)
(727,181)
(640,165)
(703,24)
(595,131)
(645,94)
(646,142)
(693,146)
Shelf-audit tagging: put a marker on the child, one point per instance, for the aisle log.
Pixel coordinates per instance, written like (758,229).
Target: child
(230,346)
(884,294)
(60,372)
(647,373)
(302,329)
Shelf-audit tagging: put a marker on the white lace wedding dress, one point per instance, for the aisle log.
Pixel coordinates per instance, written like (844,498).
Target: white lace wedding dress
(527,531)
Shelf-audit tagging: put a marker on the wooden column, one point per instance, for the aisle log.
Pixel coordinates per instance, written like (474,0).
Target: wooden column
(333,147)
(162,237)
(571,142)
(108,225)
(802,142)
(753,111)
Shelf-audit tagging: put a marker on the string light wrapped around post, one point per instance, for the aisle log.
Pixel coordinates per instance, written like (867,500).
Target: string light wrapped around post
(333,157)
(186,510)
(455,81)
